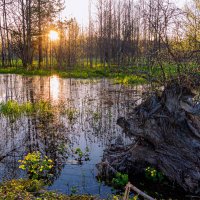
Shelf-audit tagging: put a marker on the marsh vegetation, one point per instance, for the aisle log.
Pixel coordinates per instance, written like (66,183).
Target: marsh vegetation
(66,89)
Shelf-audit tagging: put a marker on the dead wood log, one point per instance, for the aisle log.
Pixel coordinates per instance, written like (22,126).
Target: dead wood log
(129,187)
(166,131)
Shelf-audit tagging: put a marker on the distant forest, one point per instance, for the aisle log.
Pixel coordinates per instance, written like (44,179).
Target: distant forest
(121,33)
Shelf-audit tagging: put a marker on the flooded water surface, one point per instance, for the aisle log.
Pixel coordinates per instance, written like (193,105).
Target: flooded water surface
(85,115)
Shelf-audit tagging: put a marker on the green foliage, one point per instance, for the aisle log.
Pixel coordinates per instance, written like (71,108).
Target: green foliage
(43,109)
(20,189)
(129,79)
(121,77)
(38,167)
(22,71)
(74,190)
(135,197)
(116,197)
(27,108)
(71,114)
(119,197)
(96,116)
(120,180)
(33,190)
(82,155)
(12,109)
(154,175)
(79,152)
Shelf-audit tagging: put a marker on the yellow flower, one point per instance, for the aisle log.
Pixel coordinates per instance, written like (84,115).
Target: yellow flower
(22,167)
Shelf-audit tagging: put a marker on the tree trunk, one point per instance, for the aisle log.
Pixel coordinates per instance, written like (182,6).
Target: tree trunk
(40,35)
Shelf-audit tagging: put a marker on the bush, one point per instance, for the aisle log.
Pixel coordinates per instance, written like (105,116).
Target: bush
(37,167)
(154,175)
(120,180)
(33,190)
(12,109)
(20,189)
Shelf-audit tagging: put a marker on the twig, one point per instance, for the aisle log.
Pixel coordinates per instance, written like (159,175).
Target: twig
(127,191)
(129,187)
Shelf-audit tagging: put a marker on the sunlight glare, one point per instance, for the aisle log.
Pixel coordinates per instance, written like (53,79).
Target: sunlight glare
(53,35)
(54,87)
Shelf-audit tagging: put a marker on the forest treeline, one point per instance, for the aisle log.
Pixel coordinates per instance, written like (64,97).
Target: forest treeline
(120,33)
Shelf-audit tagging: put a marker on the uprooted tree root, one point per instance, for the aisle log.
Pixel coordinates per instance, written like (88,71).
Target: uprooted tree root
(166,132)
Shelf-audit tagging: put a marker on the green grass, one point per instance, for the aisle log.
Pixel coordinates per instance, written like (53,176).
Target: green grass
(122,75)
(12,109)
(22,71)
(85,73)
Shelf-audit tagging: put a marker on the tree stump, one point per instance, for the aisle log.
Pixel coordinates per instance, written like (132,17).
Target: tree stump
(166,132)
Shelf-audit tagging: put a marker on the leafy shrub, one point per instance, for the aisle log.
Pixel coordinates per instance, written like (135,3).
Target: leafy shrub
(33,190)
(36,166)
(10,109)
(71,114)
(27,108)
(43,109)
(120,180)
(154,175)
(20,189)
(82,155)
(74,190)
(13,110)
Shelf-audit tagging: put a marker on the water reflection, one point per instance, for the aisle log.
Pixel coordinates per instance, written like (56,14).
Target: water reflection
(54,88)
(90,121)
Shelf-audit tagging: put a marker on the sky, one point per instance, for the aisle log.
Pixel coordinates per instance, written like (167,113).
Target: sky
(79,9)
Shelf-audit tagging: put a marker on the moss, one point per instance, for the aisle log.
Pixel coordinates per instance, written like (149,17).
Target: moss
(32,190)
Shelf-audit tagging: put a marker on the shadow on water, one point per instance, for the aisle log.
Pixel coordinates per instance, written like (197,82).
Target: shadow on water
(84,116)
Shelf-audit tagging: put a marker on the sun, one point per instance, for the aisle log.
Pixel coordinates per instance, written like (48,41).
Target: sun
(53,35)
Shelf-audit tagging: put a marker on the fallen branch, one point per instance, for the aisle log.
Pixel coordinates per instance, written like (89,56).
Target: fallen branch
(129,187)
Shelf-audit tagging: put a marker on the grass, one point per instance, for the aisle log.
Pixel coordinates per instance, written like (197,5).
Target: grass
(42,109)
(22,71)
(122,75)
(71,113)
(12,109)
(33,190)
(84,73)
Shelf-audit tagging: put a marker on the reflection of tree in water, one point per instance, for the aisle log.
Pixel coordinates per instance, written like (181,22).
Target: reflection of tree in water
(51,140)
(47,133)
(97,106)
(44,133)
(41,132)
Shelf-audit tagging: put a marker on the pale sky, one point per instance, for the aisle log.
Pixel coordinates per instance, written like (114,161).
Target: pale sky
(79,9)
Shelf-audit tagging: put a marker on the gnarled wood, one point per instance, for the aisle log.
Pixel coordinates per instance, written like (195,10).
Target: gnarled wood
(166,131)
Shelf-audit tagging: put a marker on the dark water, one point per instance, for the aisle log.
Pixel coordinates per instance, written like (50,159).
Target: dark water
(97,106)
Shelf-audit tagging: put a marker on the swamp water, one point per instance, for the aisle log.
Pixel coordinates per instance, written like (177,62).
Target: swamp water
(86,112)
